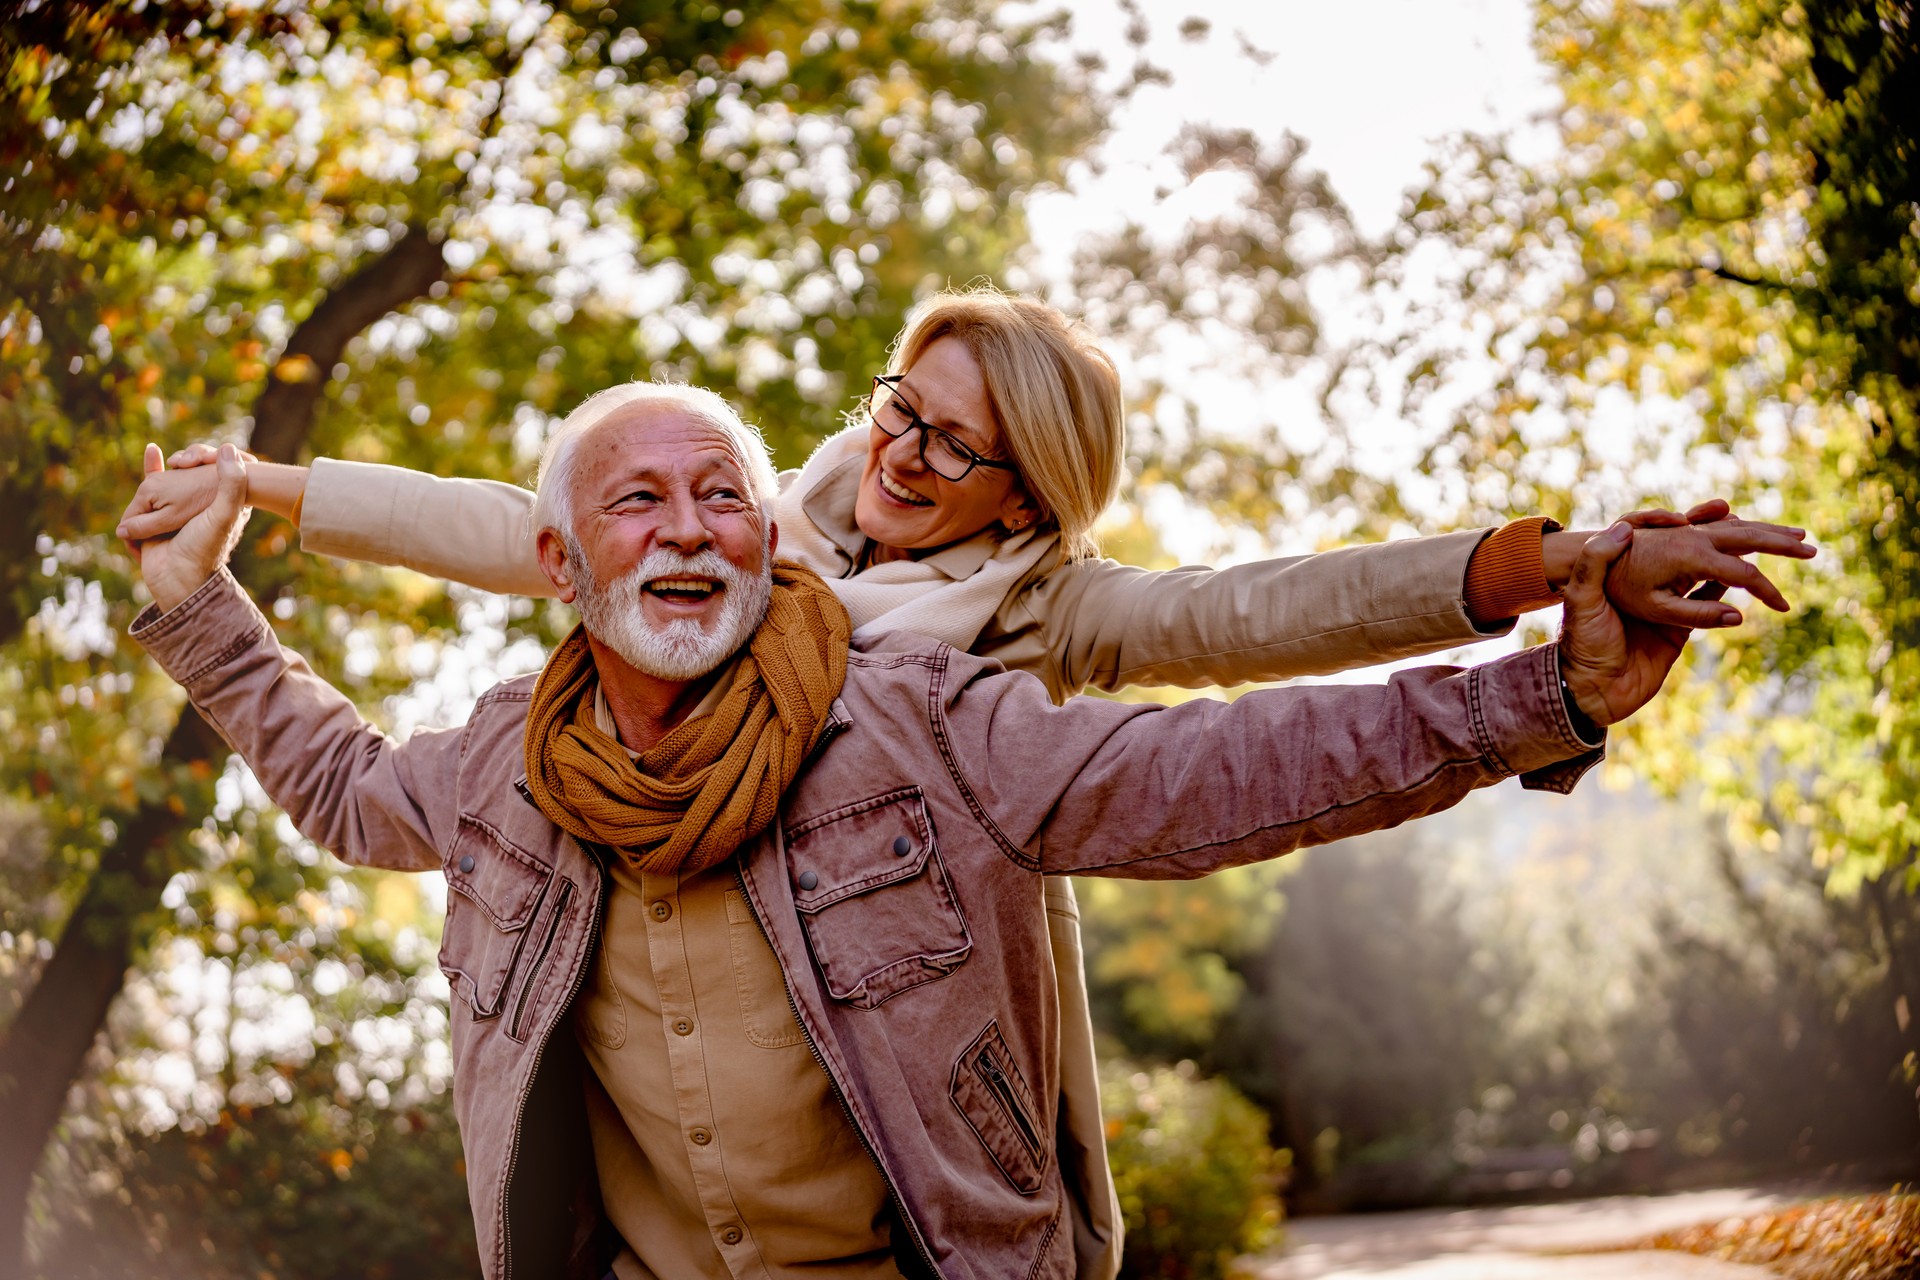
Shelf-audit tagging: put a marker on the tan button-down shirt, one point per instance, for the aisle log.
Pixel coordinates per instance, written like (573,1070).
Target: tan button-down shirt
(721,1149)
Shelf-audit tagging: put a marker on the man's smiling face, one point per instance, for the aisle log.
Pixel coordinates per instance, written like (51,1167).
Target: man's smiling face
(670,554)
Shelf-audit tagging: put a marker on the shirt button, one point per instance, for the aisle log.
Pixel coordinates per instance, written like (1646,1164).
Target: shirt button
(700,1137)
(808,880)
(730,1236)
(661,910)
(902,846)
(683,1026)
(466,862)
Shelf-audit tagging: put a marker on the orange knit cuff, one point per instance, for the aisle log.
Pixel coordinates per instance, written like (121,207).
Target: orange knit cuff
(294,515)
(1507,573)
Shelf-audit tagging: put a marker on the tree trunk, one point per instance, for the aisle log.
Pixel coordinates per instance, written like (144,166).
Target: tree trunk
(45,1046)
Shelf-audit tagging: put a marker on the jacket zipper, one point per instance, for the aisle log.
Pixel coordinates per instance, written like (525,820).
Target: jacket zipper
(540,958)
(1002,1088)
(893,1192)
(520,1112)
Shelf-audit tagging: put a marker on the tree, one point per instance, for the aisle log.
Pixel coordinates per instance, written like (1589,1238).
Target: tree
(409,230)
(1718,270)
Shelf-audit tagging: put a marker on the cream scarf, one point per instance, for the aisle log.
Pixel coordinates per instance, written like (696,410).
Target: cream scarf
(949,595)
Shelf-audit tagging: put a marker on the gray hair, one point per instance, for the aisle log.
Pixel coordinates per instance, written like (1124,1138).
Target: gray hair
(554,482)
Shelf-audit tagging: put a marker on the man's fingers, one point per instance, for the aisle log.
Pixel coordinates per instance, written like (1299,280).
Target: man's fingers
(1586,585)
(232,494)
(150,460)
(1709,511)
(197,454)
(1653,518)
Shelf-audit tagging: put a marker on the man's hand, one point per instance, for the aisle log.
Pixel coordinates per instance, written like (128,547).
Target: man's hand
(176,565)
(1613,663)
(173,494)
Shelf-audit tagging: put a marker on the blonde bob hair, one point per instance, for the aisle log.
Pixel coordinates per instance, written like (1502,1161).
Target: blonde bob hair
(1056,399)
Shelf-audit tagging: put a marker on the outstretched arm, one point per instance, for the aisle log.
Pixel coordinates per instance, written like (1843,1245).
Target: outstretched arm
(1105,625)
(344,784)
(468,531)
(1207,785)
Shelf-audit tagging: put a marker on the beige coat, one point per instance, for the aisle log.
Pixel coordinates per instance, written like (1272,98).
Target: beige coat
(1090,624)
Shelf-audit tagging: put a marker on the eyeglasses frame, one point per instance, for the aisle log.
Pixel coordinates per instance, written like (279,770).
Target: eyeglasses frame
(891,382)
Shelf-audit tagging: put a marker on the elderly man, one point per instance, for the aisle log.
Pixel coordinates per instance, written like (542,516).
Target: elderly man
(820,1033)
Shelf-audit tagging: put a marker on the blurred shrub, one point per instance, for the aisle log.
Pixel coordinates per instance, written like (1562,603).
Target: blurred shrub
(304,1190)
(1195,1173)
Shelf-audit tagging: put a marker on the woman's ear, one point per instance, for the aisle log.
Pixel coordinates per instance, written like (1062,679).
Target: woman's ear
(554,563)
(1019,509)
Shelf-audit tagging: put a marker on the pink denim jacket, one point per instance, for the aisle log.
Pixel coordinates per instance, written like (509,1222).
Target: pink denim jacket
(899,888)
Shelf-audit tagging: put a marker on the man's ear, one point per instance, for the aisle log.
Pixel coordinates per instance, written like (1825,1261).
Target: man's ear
(554,563)
(773,536)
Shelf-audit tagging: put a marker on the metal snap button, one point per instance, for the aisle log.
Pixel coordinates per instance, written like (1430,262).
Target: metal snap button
(683,1026)
(661,910)
(808,880)
(902,846)
(466,862)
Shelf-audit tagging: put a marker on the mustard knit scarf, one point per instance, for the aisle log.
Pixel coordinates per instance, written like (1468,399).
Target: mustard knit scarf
(714,782)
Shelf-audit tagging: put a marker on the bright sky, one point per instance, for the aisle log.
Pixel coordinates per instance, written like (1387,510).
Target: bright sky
(1370,84)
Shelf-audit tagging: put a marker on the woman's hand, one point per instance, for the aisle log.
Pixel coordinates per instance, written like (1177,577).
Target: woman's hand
(1670,554)
(171,495)
(175,564)
(1613,663)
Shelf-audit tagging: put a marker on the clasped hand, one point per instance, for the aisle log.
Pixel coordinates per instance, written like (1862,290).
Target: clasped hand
(175,565)
(1613,662)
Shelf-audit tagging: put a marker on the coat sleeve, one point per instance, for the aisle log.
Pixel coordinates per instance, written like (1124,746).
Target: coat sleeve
(476,532)
(1151,792)
(346,785)
(1108,625)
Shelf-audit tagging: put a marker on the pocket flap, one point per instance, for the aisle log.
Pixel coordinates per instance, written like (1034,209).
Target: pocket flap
(859,847)
(502,881)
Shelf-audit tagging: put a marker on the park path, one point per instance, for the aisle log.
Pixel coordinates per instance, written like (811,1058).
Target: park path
(1510,1243)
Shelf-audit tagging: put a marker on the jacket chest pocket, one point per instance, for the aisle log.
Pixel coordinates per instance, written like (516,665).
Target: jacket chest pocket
(874,899)
(496,894)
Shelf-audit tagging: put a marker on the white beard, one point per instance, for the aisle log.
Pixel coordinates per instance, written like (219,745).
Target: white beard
(683,649)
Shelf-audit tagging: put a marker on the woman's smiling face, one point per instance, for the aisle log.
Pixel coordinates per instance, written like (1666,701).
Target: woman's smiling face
(902,503)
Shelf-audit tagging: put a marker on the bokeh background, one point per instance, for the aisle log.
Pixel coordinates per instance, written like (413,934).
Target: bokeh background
(1371,269)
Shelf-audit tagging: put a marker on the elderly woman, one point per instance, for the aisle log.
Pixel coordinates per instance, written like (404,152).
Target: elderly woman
(960,506)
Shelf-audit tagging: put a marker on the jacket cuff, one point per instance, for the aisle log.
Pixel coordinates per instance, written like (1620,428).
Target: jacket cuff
(1507,575)
(1520,720)
(203,633)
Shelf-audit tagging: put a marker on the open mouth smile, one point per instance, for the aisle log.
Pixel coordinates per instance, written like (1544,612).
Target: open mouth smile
(900,493)
(683,590)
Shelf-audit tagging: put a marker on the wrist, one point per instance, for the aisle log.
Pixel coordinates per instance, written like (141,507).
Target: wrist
(1559,548)
(276,487)
(169,590)
(1585,727)
(1586,705)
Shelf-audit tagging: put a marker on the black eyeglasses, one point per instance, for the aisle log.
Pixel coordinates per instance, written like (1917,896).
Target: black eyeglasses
(940,451)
